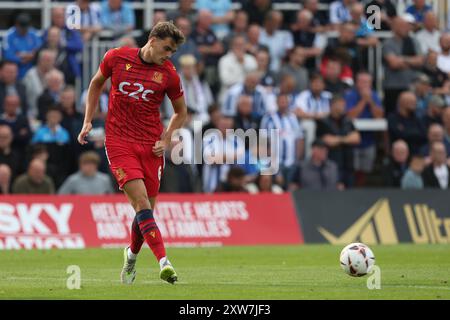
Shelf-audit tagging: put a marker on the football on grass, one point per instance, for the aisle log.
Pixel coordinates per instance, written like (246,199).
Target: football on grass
(357,259)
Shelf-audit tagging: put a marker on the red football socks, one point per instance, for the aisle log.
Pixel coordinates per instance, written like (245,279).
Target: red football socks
(150,232)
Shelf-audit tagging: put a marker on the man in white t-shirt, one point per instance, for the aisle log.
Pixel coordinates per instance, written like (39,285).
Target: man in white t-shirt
(443,60)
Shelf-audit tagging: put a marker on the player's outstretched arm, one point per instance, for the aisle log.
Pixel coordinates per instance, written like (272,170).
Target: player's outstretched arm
(176,122)
(93,95)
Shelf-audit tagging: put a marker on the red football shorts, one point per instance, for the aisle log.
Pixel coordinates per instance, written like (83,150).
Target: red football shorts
(129,161)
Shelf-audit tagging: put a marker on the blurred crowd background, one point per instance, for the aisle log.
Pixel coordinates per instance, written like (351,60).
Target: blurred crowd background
(359,91)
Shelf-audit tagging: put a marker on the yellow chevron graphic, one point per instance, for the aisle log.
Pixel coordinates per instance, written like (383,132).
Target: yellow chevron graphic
(128,66)
(378,219)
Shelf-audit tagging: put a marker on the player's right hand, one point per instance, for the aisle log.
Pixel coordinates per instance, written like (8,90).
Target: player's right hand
(84,132)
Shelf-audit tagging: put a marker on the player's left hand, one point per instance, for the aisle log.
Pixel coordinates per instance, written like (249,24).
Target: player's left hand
(159,148)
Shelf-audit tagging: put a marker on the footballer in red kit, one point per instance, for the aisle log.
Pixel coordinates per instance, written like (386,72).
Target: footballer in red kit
(135,140)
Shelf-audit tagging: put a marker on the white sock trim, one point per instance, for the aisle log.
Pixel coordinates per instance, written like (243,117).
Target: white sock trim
(131,255)
(162,261)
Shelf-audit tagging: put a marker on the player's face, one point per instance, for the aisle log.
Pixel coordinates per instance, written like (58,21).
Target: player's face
(162,49)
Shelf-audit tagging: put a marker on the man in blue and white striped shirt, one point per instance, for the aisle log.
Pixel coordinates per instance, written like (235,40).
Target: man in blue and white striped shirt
(313,103)
(220,151)
(340,11)
(291,143)
(250,87)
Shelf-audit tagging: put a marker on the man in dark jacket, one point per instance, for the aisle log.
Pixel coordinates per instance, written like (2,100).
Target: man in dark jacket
(436,175)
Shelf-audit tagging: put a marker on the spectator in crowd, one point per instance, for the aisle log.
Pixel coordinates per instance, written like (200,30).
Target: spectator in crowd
(219,149)
(239,28)
(443,59)
(412,179)
(423,91)
(19,123)
(197,93)
(304,36)
(57,140)
(295,67)
(428,37)
(252,46)
(257,10)
(118,16)
(402,57)
(127,41)
(245,119)
(435,134)
(291,138)
(52,131)
(72,120)
(263,184)
(395,166)
(96,140)
(436,106)
(21,43)
(439,79)
(9,84)
(340,11)
(34,79)
(341,138)
(189,47)
(286,86)
(40,151)
(344,48)
(214,117)
(446,121)
(223,15)
(158,16)
(313,103)
(234,65)
(405,125)
(364,30)
(54,84)
(5,179)
(333,82)
(235,181)
(268,77)
(250,87)
(8,155)
(185,10)
(418,9)
(103,100)
(278,41)
(89,23)
(318,172)
(320,19)
(363,103)
(88,180)
(436,174)
(387,12)
(70,46)
(181,173)
(35,181)
(209,47)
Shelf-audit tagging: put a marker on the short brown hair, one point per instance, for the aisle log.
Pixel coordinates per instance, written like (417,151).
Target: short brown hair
(167,29)
(89,157)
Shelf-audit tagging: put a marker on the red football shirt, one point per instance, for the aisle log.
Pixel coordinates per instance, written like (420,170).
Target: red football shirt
(137,91)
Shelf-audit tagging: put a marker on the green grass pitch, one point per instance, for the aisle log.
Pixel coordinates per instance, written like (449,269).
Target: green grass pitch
(259,272)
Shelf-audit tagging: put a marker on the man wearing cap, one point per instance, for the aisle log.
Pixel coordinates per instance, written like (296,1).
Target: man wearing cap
(21,43)
(88,180)
(422,90)
(434,111)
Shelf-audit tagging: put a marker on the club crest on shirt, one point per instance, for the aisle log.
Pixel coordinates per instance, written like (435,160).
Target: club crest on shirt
(128,66)
(157,77)
(120,173)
